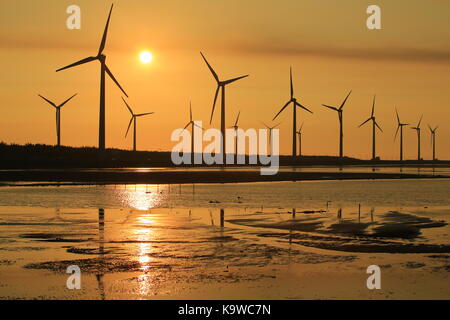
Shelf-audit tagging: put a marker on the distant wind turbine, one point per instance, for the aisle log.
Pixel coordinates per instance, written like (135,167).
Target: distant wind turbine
(374,126)
(433,140)
(220,86)
(340,112)
(270,135)
(295,104)
(236,127)
(299,133)
(192,124)
(400,126)
(103,69)
(58,116)
(134,119)
(418,130)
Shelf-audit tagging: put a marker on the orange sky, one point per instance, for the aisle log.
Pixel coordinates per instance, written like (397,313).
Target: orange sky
(407,64)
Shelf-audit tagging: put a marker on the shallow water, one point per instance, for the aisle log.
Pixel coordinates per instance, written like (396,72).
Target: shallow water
(226,240)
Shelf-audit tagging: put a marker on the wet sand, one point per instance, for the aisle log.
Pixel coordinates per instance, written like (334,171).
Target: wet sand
(77,177)
(201,253)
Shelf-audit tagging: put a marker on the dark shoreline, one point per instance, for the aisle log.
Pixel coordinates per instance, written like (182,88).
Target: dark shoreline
(67,177)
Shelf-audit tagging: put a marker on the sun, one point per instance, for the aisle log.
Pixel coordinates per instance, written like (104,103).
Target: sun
(146,57)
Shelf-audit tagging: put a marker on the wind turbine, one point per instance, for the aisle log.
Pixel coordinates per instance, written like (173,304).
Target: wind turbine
(374,126)
(299,133)
(134,119)
(58,116)
(400,126)
(221,84)
(192,124)
(295,104)
(433,140)
(340,112)
(103,70)
(418,130)
(236,127)
(270,134)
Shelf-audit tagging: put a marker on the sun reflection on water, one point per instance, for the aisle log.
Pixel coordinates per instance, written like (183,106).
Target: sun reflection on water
(141,196)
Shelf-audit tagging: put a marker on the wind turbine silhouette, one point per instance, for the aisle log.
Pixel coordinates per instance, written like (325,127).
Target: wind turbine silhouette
(295,104)
(220,86)
(400,126)
(58,116)
(374,126)
(433,140)
(340,112)
(299,133)
(236,127)
(134,119)
(192,124)
(418,130)
(270,134)
(103,70)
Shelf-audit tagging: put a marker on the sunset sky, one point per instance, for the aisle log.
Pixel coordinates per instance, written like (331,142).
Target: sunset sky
(327,43)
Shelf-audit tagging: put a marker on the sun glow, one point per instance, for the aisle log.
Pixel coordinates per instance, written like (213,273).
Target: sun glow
(146,57)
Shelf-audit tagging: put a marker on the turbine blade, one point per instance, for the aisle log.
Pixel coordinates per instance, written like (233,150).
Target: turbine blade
(420,121)
(198,126)
(143,114)
(190,111)
(50,102)
(299,105)
(211,69)
(187,125)
(292,84)
(301,127)
(237,119)
(365,122)
(62,104)
(378,126)
(265,125)
(105,32)
(129,125)
(398,117)
(114,79)
(396,133)
(129,108)
(214,103)
(82,61)
(373,106)
(346,98)
(330,107)
(281,110)
(234,79)
(276,125)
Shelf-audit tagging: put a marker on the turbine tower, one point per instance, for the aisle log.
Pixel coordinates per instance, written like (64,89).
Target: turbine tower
(340,112)
(374,127)
(236,127)
(295,104)
(418,130)
(400,126)
(58,116)
(270,135)
(134,119)
(103,70)
(192,124)
(221,84)
(299,133)
(433,140)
